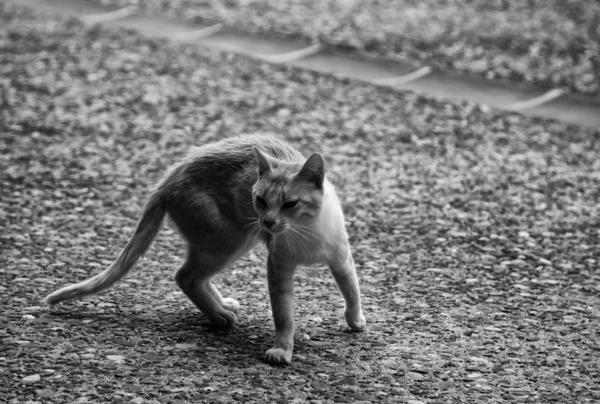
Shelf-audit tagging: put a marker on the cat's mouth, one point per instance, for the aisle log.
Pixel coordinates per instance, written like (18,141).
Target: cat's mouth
(273,230)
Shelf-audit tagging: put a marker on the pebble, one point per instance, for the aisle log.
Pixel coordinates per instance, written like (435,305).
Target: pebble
(390,363)
(31,379)
(416,376)
(116,358)
(185,346)
(447,384)
(319,386)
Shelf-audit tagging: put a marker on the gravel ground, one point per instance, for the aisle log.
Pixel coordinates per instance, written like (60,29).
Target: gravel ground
(476,234)
(549,43)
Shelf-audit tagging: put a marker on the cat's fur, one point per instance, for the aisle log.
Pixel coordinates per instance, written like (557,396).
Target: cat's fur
(225,198)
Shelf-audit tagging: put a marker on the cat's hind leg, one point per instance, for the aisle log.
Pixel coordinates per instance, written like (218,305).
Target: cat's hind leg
(194,279)
(227,302)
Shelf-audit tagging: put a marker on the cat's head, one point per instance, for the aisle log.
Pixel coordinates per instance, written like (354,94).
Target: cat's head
(287,193)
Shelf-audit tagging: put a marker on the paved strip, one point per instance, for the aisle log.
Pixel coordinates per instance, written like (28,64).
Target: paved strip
(196,34)
(291,56)
(405,78)
(450,85)
(109,16)
(537,101)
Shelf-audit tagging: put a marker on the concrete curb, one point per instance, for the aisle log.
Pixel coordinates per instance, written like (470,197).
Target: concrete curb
(555,104)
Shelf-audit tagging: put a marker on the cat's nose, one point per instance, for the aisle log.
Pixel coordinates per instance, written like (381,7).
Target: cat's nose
(269,223)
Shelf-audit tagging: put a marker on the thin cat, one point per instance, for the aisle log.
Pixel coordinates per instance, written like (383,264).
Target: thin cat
(225,198)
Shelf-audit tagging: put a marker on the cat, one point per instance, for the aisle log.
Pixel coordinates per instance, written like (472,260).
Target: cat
(225,198)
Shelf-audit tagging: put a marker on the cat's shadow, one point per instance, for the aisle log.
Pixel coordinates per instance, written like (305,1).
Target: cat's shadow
(241,346)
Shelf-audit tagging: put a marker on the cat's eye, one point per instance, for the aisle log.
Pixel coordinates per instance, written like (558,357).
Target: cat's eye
(289,204)
(260,202)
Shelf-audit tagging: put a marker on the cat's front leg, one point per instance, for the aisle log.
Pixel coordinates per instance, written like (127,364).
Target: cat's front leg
(281,291)
(344,272)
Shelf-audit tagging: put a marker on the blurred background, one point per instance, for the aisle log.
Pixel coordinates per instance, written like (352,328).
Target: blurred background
(550,43)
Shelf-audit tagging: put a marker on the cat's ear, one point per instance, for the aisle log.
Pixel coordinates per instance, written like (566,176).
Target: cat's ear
(313,170)
(263,163)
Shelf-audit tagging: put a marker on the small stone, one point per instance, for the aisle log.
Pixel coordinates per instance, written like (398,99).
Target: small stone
(31,379)
(185,346)
(319,386)
(446,384)
(28,317)
(283,113)
(416,376)
(45,393)
(116,358)
(389,363)
(486,109)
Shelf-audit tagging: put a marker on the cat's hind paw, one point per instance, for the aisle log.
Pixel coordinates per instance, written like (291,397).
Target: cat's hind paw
(277,356)
(231,304)
(224,319)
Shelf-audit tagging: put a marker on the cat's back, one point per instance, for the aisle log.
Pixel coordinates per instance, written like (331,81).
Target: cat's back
(239,149)
(228,162)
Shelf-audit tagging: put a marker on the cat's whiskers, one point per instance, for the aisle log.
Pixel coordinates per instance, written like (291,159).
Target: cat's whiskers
(288,241)
(299,240)
(307,232)
(254,230)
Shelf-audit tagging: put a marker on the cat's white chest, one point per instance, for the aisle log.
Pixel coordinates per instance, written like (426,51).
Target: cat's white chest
(302,248)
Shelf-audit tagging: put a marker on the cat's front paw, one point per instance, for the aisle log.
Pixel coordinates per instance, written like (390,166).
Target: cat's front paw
(277,356)
(355,319)
(231,304)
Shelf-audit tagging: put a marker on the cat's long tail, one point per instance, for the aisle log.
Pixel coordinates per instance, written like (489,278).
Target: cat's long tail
(147,229)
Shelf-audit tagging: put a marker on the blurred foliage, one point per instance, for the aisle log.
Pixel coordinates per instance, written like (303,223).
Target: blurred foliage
(547,42)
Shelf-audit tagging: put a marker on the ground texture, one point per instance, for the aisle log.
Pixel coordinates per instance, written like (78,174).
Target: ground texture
(476,234)
(548,43)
